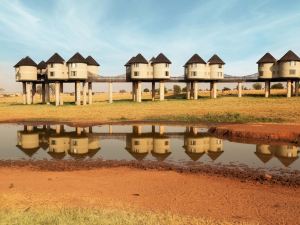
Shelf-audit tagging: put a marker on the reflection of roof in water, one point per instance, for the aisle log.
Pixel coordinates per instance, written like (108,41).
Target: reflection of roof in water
(194,156)
(137,156)
(214,155)
(160,157)
(93,152)
(287,161)
(263,157)
(29,152)
(56,155)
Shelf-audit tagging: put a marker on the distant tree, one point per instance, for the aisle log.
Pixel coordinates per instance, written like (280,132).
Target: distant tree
(277,86)
(245,88)
(176,89)
(122,91)
(146,90)
(226,89)
(257,86)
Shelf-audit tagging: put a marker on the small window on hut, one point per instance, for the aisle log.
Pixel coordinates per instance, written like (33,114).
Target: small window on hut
(167,73)
(51,65)
(136,73)
(73,73)
(292,72)
(220,66)
(51,74)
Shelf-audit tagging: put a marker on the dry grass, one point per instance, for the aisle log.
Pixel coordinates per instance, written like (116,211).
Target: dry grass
(97,216)
(256,108)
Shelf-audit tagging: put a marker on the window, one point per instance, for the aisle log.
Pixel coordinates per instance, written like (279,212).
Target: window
(167,73)
(292,72)
(73,65)
(219,74)
(261,73)
(136,142)
(166,143)
(136,73)
(293,63)
(220,66)
(51,65)
(136,65)
(167,65)
(73,73)
(51,74)
(53,142)
(74,143)
(194,73)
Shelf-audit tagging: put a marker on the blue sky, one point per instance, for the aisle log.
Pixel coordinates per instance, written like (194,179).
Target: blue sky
(239,31)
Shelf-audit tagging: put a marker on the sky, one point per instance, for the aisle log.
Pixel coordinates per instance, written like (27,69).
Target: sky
(239,31)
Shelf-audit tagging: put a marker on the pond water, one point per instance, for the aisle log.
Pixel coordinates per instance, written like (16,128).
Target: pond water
(184,145)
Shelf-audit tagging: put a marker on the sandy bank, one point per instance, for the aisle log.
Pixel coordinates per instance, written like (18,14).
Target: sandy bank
(160,191)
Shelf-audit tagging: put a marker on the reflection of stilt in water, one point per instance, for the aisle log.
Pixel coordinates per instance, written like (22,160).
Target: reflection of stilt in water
(28,140)
(286,154)
(197,144)
(139,144)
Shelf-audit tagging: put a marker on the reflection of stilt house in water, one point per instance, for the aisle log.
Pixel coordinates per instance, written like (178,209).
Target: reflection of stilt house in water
(139,144)
(197,144)
(264,153)
(28,140)
(286,154)
(78,144)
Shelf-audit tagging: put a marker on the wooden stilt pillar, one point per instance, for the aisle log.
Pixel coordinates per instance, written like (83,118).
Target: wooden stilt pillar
(267,89)
(153,91)
(61,92)
(33,91)
(213,89)
(84,84)
(161,91)
(297,88)
(188,90)
(43,93)
(240,89)
(24,93)
(90,93)
(57,91)
(47,93)
(28,93)
(289,88)
(139,91)
(110,91)
(195,90)
(78,92)
(133,91)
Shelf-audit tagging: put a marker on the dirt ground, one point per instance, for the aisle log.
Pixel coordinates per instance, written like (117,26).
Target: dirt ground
(159,191)
(257,131)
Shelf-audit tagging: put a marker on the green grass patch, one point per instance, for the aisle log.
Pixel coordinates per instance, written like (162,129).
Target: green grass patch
(216,118)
